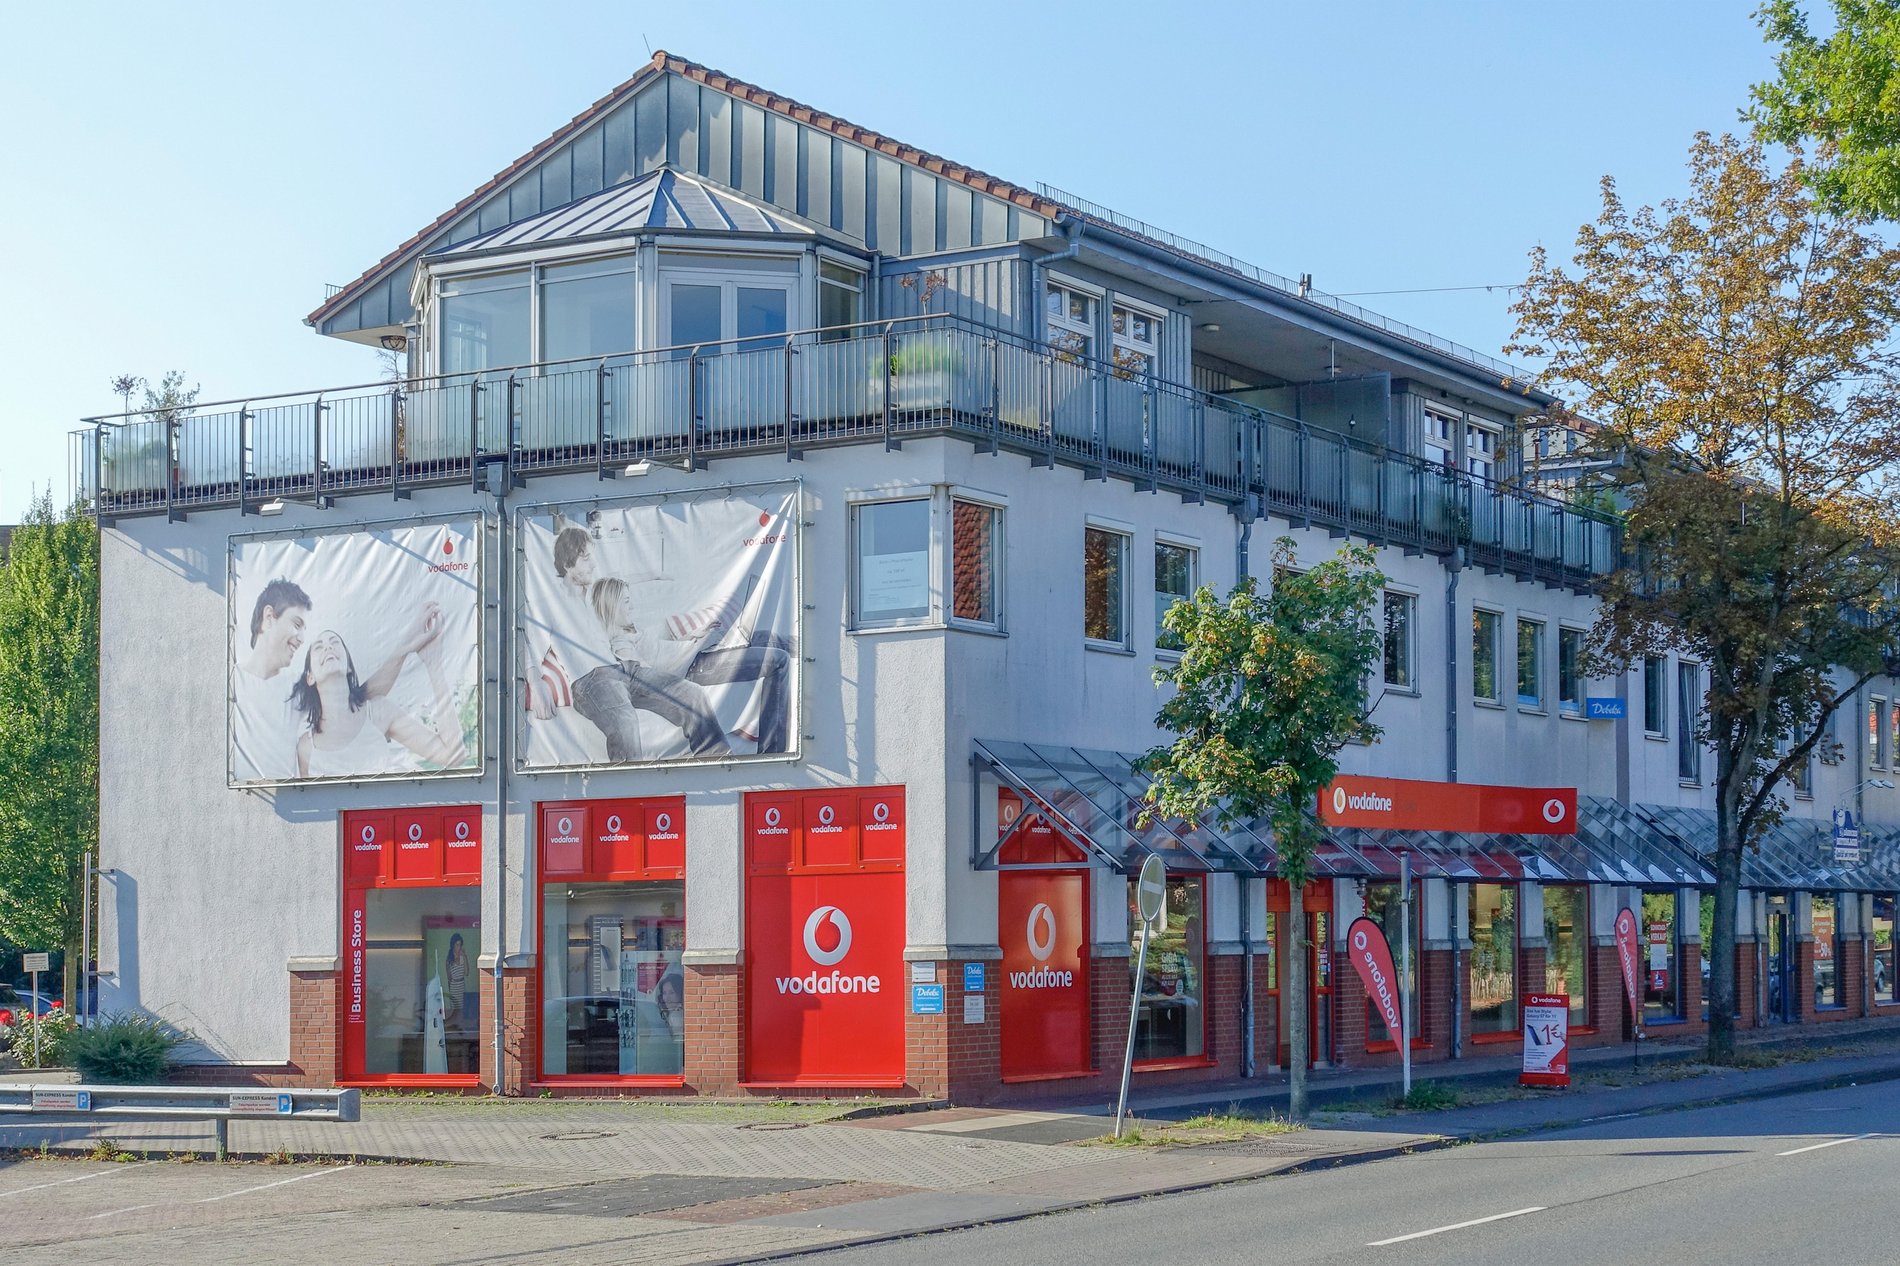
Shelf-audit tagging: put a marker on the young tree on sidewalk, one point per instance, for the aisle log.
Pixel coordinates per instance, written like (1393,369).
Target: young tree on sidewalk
(1842,91)
(49,730)
(1266,692)
(1736,348)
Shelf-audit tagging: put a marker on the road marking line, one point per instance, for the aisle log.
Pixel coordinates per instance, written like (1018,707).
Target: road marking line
(113,1213)
(41,1186)
(1815,1147)
(281,1182)
(995,1121)
(1457,1226)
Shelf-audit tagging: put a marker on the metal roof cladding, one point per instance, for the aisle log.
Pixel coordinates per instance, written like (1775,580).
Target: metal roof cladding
(665,199)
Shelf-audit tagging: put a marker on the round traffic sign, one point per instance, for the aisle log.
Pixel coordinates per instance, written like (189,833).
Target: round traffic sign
(1151,890)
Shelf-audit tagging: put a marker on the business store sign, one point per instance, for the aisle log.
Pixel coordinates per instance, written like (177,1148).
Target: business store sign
(1546,1040)
(1042,925)
(355,654)
(1846,838)
(1404,804)
(660,630)
(825,983)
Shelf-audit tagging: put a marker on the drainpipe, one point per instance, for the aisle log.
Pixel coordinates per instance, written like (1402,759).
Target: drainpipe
(1250,510)
(1454,565)
(504,637)
(1246,980)
(1072,231)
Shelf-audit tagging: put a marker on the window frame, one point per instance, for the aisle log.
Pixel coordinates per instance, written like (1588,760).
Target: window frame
(1063,333)
(1515,1003)
(933,597)
(1877,732)
(998,554)
(1144,358)
(1688,711)
(1570,698)
(1481,459)
(1192,548)
(1408,602)
(1441,439)
(1495,699)
(1125,538)
(1533,702)
(861,289)
(1656,693)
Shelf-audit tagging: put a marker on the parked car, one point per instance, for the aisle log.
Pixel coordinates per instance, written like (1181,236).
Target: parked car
(15,1002)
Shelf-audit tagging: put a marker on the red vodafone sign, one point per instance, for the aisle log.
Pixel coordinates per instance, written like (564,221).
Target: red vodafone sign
(1372,958)
(825,937)
(1042,925)
(1627,959)
(1406,804)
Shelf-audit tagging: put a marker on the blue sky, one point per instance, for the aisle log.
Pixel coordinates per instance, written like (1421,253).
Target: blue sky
(185,178)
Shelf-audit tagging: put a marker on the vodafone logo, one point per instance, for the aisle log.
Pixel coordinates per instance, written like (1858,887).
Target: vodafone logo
(415,831)
(461,830)
(448,547)
(1555,810)
(369,835)
(1339,799)
(1365,801)
(1359,939)
(564,827)
(825,814)
(613,824)
(771,817)
(881,811)
(831,957)
(663,822)
(1045,918)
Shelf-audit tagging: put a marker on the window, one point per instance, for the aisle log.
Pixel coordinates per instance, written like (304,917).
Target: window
(840,299)
(1530,664)
(484,323)
(1877,732)
(1493,928)
(1104,567)
(1801,777)
(614,1000)
(975,590)
(1071,321)
(1382,907)
(725,314)
(1825,916)
(1172,1022)
(1484,656)
(587,309)
(1655,695)
(1566,947)
(1688,710)
(1570,671)
(1175,577)
(892,574)
(1661,995)
(1441,431)
(1883,965)
(1399,610)
(1135,336)
(1481,450)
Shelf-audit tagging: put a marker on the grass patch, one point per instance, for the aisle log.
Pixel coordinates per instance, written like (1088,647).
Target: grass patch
(1231,1126)
(1432,1096)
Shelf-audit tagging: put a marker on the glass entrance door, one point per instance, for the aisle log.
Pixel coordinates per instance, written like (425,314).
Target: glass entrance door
(1780,962)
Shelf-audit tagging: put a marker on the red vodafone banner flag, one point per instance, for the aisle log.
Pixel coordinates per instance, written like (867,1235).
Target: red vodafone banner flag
(1627,956)
(1372,958)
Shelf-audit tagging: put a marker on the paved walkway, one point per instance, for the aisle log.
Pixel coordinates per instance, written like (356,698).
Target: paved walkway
(628,1182)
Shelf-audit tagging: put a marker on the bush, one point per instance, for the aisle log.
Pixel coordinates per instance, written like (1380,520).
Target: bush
(127,1049)
(55,1029)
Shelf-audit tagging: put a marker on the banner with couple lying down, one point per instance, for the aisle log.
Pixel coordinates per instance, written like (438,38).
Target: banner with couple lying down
(659,629)
(355,653)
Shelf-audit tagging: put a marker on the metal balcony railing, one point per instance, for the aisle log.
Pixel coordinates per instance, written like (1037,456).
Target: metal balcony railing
(871,383)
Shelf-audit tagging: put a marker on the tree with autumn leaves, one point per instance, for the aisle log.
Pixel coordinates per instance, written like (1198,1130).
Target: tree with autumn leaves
(1734,354)
(1267,690)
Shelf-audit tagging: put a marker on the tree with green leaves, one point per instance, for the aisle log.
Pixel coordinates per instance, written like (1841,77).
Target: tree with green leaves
(49,729)
(1842,92)
(1266,692)
(1736,349)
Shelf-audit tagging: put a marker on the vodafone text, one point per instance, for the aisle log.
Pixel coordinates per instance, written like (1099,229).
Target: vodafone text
(1041,978)
(1369,800)
(829,982)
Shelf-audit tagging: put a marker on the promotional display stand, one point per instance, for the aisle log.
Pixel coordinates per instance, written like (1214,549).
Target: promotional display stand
(1546,1040)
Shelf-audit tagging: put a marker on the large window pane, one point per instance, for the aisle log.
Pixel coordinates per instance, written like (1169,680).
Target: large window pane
(613,990)
(1570,670)
(1484,655)
(761,313)
(1655,694)
(1174,582)
(840,299)
(586,310)
(1688,712)
(1530,664)
(1566,948)
(1493,958)
(484,323)
(1398,640)
(893,561)
(1382,907)
(1884,984)
(1172,1022)
(423,997)
(1104,559)
(973,587)
(1661,988)
(1827,951)
(694,315)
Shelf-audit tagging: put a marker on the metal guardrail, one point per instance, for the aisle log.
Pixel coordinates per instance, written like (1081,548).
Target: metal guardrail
(218,1104)
(870,383)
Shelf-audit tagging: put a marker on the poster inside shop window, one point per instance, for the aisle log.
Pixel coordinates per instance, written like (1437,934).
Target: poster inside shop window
(641,968)
(451,1005)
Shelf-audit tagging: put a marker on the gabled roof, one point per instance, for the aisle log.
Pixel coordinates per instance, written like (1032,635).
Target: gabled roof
(664,199)
(664,64)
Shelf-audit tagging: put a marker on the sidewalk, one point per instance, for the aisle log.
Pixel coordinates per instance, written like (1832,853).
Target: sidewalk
(709,1182)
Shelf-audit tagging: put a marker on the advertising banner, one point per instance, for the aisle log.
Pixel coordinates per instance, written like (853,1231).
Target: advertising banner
(355,654)
(660,630)
(1042,925)
(1546,1040)
(1404,804)
(1627,958)
(1371,957)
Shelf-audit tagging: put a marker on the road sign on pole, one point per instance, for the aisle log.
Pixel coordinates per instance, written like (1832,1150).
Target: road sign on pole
(1151,903)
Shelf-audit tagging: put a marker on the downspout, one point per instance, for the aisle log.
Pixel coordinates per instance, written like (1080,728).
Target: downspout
(504,637)
(1038,279)
(1247,1068)
(1453,566)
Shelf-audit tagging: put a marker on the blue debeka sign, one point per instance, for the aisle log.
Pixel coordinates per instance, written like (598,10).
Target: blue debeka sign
(1603,709)
(926,999)
(973,978)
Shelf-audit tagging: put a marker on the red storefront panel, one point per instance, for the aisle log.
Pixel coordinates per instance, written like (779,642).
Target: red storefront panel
(666,834)
(881,828)
(563,839)
(619,838)
(825,984)
(418,846)
(365,846)
(1411,805)
(462,843)
(1042,923)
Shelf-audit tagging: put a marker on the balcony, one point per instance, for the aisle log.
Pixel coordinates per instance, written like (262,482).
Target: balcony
(877,383)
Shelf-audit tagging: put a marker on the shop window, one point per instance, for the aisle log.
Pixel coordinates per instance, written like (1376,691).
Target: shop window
(1493,927)
(1705,911)
(1484,656)
(1567,947)
(1688,715)
(840,300)
(1172,1021)
(1530,664)
(1570,672)
(1824,913)
(1104,569)
(1382,907)
(975,591)
(1655,695)
(412,997)
(1176,573)
(1661,989)
(1883,964)
(613,933)
(891,552)
(1400,610)
(1071,316)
